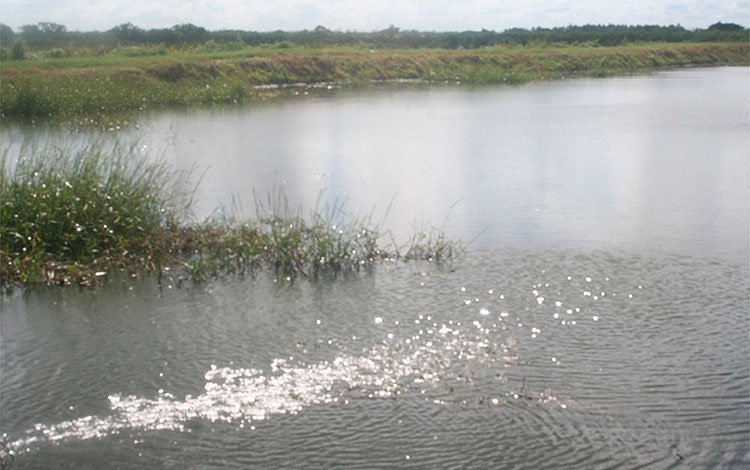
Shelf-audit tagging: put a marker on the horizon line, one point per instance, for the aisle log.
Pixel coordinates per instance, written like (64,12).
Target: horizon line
(390,27)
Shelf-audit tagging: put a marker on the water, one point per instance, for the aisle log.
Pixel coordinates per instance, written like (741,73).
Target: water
(599,320)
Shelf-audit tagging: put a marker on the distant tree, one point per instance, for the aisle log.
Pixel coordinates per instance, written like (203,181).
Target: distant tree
(31,32)
(450,41)
(18,52)
(320,35)
(163,35)
(725,27)
(51,35)
(129,33)
(52,29)
(189,33)
(44,34)
(6,35)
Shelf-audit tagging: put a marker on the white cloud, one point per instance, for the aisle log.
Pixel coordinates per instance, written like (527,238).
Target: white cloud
(367,15)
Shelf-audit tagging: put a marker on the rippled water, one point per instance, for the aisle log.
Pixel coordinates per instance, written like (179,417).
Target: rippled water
(523,360)
(546,349)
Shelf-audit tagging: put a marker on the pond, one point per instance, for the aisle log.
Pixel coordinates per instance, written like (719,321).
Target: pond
(599,318)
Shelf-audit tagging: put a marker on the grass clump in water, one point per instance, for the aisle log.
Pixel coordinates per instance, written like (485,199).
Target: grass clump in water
(432,245)
(326,241)
(72,216)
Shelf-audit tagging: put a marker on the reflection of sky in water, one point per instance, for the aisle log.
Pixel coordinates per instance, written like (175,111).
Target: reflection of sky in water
(657,160)
(644,162)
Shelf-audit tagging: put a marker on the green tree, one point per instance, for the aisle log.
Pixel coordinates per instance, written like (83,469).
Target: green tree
(6,35)
(190,34)
(725,27)
(128,33)
(44,34)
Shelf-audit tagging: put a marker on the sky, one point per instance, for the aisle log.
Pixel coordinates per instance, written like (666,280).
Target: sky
(370,15)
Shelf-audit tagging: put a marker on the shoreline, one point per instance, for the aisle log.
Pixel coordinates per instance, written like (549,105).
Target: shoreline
(101,89)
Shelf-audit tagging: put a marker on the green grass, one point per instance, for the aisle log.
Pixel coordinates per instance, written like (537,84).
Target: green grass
(68,212)
(129,57)
(77,216)
(101,89)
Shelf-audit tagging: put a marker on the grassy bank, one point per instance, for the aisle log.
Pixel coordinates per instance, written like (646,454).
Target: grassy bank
(79,216)
(94,89)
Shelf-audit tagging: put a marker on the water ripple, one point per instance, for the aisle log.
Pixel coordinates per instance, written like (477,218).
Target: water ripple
(246,396)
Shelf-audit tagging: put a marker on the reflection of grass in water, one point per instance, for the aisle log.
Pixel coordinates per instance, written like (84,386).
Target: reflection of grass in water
(73,216)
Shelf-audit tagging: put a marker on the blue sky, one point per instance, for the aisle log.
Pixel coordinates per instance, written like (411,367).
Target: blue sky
(370,15)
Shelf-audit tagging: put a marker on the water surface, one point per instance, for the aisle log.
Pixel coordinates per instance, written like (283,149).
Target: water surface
(599,320)
(653,160)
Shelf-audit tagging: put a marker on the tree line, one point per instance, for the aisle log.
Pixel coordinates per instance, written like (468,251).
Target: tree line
(47,35)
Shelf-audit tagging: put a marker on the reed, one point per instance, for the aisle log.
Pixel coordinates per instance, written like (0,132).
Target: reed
(284,239)
(80,211)
(77,215)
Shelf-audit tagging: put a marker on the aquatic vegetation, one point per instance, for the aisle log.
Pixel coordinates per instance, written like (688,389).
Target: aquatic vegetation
(431,244)
(326,241)
(78,215)
(70,215)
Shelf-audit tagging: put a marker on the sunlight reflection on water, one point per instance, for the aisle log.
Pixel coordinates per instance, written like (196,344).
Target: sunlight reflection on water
(247,395)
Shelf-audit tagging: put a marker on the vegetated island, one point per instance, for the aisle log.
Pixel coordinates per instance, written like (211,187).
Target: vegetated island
(96,77)
(82,216)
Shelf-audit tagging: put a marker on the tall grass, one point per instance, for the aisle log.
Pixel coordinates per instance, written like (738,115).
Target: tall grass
(97,206)
(327,239)
(74,215)
(291,242)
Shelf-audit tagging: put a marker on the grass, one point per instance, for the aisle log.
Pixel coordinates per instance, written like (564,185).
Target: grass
(100,89)
(77,216)
(68,214)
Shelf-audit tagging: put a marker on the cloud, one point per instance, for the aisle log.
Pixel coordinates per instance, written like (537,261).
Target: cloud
(367,15)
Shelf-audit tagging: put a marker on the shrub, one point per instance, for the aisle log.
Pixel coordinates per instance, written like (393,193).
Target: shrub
(56,53)
(18,52)
(29,103)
